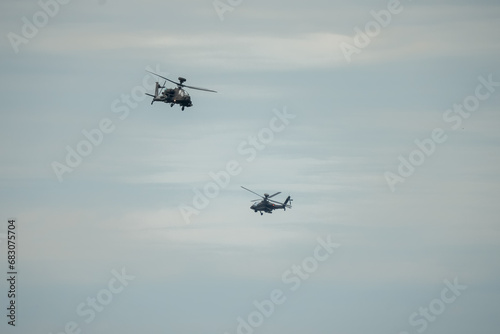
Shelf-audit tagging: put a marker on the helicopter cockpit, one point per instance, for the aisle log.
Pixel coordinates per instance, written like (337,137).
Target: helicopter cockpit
(183,93)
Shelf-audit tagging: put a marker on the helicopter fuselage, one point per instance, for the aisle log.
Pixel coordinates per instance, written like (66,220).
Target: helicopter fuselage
(265,206)
(174,96)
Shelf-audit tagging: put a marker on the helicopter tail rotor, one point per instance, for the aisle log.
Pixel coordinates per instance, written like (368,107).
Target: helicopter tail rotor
(159,89)
(286,205)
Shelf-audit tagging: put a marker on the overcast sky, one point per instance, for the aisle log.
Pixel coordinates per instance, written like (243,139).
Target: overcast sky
(380,119)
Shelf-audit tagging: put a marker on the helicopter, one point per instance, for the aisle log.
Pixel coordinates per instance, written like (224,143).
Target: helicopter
(267,204)
(174,95)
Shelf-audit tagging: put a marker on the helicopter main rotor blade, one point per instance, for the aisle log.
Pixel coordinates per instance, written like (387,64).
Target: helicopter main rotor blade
(198,88)
(279,192)
(182,85)
(253,192)
(177,83)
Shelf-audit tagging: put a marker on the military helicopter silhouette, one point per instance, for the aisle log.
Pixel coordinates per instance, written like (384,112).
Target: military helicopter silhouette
(174,95)
(267,204)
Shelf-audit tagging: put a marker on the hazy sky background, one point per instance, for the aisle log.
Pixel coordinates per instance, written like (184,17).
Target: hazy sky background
(120,207)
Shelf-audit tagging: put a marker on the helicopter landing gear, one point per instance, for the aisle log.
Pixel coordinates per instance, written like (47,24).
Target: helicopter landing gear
(171,105)
(261,213)
(182,109)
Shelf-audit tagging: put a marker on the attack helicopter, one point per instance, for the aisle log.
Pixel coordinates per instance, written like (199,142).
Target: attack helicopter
(174,95)
(267,204)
